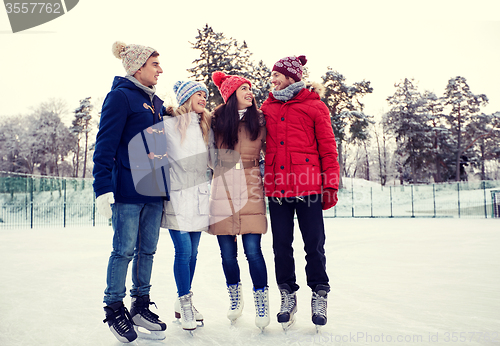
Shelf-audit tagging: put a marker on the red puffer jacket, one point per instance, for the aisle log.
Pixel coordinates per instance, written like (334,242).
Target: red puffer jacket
(301,152)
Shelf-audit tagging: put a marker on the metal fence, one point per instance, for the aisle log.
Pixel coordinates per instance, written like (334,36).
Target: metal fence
(458,199)
(63,202)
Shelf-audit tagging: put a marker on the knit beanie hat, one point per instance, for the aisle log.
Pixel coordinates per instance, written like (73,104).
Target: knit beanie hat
(291,66)
(133,56)
(184,90)
(227,84)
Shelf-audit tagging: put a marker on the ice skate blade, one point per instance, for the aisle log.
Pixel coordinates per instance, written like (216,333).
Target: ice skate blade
(288,325)
(178,320)
(143,333)
(233,322)
(318,329)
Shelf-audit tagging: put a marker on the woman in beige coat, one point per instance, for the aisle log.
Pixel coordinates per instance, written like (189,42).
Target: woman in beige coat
(237,205)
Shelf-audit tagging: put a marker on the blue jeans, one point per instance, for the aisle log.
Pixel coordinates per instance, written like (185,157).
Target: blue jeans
(186,250)
(136,230)
(251,246)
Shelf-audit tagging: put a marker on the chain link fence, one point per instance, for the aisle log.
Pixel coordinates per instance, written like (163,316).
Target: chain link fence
(28,202)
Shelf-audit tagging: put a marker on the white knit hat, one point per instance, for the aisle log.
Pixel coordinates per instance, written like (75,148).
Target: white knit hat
(133,56)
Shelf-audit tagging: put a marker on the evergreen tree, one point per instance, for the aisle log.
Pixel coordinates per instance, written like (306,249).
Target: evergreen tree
(349,122)
(438,153)
(406,121)
(261,82)
(218,53)
(80,128)
(486,128)
(464,105)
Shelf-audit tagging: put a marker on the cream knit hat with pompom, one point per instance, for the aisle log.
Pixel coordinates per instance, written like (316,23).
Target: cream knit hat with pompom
(133,56)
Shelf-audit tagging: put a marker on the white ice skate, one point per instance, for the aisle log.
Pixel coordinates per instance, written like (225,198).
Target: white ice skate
(235,302)
(261,298)
(187,317)
(177,312)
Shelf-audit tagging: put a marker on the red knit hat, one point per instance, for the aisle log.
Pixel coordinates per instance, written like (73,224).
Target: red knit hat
(227,84)
(291,66)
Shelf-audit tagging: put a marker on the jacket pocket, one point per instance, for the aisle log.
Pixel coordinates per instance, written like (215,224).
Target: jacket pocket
(203,199)
(268,177)
(306,170)
(125,184)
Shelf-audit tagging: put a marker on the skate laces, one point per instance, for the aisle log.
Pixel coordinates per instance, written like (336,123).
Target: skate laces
(260,303)
(319,304)
(150,313)
(187,307)
(234,295)
(287,301)
(120,320)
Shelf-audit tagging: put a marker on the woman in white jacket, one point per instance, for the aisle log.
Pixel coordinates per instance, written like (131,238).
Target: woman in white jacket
(186,214)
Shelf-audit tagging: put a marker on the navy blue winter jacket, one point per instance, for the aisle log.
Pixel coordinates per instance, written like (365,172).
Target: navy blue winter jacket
(128,111)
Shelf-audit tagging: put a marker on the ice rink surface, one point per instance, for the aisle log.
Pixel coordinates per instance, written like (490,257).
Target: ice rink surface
(394,282)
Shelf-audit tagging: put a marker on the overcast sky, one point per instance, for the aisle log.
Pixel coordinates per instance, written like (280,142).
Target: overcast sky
(381,41)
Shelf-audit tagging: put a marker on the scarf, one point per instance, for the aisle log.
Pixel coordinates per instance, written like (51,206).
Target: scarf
(289,92)
(241,112)
(150,91)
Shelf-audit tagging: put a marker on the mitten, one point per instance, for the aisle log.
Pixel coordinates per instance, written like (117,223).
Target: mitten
(103,203)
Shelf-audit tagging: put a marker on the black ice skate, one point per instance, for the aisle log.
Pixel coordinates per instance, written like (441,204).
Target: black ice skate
(319,305)
(286,316)
(120,322)
(142,317)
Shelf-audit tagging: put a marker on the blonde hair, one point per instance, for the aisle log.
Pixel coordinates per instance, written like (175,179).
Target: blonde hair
(184,121)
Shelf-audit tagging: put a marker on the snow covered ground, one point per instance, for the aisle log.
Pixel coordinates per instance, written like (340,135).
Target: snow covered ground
(394,282)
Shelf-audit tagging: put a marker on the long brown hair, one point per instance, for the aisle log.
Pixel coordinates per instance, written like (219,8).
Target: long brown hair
(226,121)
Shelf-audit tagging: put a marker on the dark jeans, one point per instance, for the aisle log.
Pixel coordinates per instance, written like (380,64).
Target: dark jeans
(310,219)
(229,253)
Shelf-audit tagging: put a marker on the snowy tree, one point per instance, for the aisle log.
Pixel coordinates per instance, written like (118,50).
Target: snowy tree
(261,82)
(406,120)
(13,139)
(55,106)
(381,136)
(349,122)
(486,129)
(218,53)
(80,128)
(438,153)
(52,141)
(464,105)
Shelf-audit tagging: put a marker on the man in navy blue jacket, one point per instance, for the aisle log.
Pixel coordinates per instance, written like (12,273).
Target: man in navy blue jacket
(131,109)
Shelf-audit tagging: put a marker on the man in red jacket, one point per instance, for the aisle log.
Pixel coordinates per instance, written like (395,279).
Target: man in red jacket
(301,176)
